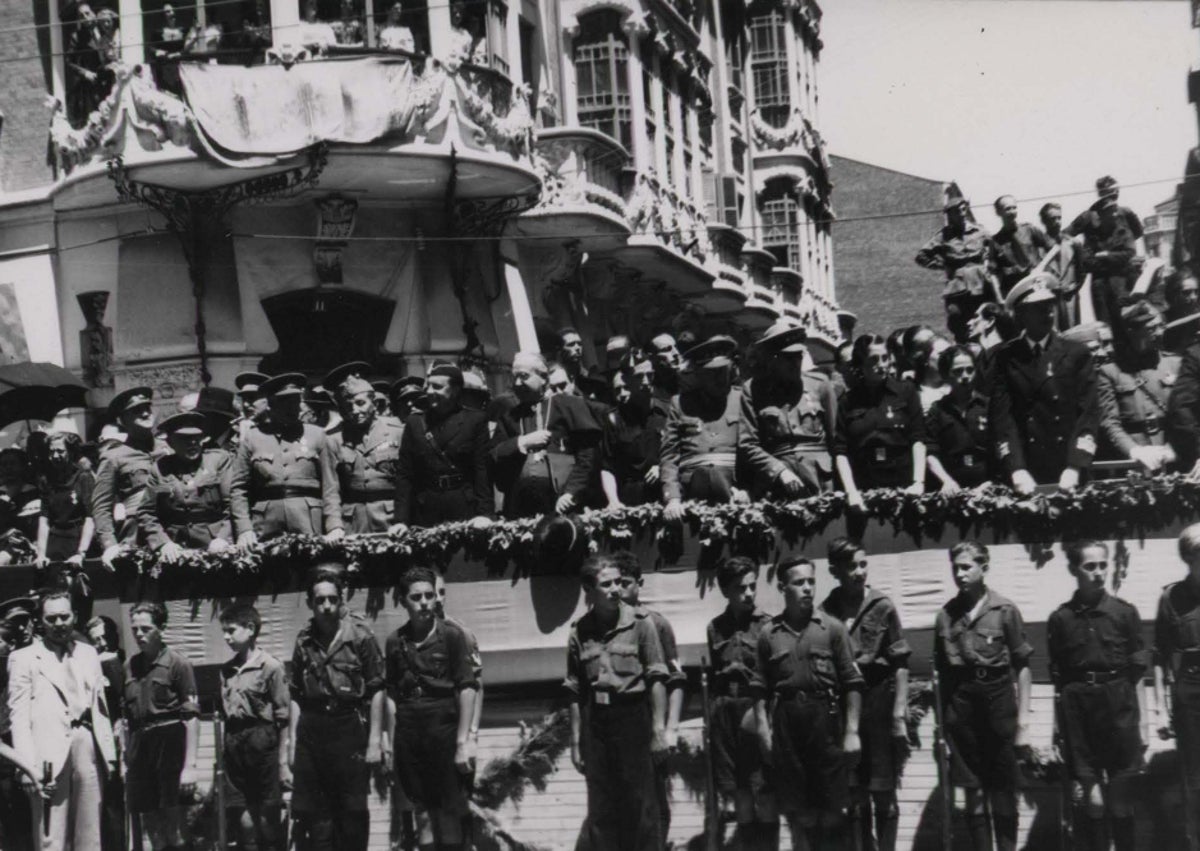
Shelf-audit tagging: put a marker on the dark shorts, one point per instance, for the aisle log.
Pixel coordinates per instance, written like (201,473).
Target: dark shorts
(1185,716)
(981,729)
(810,770)
(154,764)
(1100,729)
(426,731)
(737,759)
(879,765)
(329,775)
(252,765)
(622,801)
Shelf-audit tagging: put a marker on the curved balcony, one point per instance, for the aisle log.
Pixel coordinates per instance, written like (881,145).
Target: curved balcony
(581,172)
(728,291)
(385,123)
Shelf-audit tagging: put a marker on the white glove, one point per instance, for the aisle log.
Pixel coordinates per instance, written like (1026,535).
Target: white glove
(1023,483)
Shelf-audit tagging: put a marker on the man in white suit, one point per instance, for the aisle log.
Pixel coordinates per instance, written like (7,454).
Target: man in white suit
(59,717)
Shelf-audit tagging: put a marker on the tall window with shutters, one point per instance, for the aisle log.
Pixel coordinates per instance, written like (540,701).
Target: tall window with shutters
(781,230)
(602,76)
(768,66)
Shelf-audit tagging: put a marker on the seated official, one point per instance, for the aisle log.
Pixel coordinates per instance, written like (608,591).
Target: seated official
(880,437)
(442,470)
(788,419)
(1043,409)
(545,451)
(700,440)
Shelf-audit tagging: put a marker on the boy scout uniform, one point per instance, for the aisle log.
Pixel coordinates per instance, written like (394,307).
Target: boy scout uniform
(1096,660)
(804,676)
(255,704)
(733,648)
(1177,651)
(975,652)
(880,648)
(676,679)
(610,675)
(424,680)
(187,506)
(121,480)
(285,477)
(160,694)
(333,687)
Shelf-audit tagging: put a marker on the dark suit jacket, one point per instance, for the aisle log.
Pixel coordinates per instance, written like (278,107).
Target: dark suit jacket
(432,449)
(1044,411)
(574,430)
(1183,409)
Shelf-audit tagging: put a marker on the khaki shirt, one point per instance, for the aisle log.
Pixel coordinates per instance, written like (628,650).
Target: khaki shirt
(625,660)
(818,658)
(348,672)
(993,636)
(256,690)
(163,686)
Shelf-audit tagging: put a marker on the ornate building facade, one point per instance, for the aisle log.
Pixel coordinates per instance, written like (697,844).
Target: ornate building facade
(245,184)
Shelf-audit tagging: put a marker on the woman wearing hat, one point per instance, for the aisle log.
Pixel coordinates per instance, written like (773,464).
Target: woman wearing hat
(124,471)
(65,524)
(880,437)
(187,499)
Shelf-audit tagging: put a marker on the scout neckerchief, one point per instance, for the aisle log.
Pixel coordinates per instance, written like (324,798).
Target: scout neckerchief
(867,604)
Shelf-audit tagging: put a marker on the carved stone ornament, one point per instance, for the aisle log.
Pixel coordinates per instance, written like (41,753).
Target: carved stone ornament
(95,340)
(335,225)
(168,381)
(635,22)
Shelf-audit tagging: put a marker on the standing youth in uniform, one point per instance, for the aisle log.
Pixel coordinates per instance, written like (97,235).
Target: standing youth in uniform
(807,679)
(161,709)
(978,644)
(1097,663)
(432,675)
(255,705)
(738,763)
(335,680)
(881,654)
(1177,664)
(615,676)
(631,589)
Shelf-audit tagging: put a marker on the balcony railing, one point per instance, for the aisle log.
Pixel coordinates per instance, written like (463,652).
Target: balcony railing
(580,167)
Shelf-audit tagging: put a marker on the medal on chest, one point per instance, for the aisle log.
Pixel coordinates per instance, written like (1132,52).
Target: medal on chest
(1049,370)
(890,415)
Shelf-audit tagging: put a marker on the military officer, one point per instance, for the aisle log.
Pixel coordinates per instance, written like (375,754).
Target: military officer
(1097,663)
(248,386)
(366,447)
(788,419)
(632,438)
(124,471)
(881,653)
(738,768)
(285,472)
(807,676)
(1133,390)
(1043,410)
(337,673)
(383,402)
(700,439)
(546,448)
(442,472)
(1177,667)
(614,683)
(1110,254)
(187,498)
(978,644)
(404,394)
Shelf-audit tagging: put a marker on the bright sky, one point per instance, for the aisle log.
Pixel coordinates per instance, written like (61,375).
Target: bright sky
(1028,97)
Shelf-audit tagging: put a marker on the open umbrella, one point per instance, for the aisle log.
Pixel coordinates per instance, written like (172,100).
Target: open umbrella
(37,391)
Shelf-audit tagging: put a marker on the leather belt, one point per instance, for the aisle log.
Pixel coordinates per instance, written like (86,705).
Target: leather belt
(156,721)
(709,459)
(1093,678)
(332,707)
(84,720)
(982,673)
(447,482)
(286,491)
(1151,426)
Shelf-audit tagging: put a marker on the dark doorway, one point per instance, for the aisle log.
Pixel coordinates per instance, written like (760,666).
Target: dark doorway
(320,328)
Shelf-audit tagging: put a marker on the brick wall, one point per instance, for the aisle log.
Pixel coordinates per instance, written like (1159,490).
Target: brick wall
(876,277)
(23,87)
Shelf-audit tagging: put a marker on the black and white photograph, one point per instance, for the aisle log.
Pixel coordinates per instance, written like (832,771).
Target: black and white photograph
(599,425)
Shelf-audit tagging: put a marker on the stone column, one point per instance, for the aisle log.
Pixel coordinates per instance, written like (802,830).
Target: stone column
(133,49)
(58,64)
(643,156)
(285,21)
(441,30)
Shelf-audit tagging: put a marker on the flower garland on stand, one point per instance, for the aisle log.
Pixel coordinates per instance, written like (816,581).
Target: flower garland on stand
(1131,507)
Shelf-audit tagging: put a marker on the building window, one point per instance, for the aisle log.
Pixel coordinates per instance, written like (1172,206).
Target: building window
(734,60)
(670,131)
(92,38)
(781,231)
(768,66)
(486,23)
(602,77)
